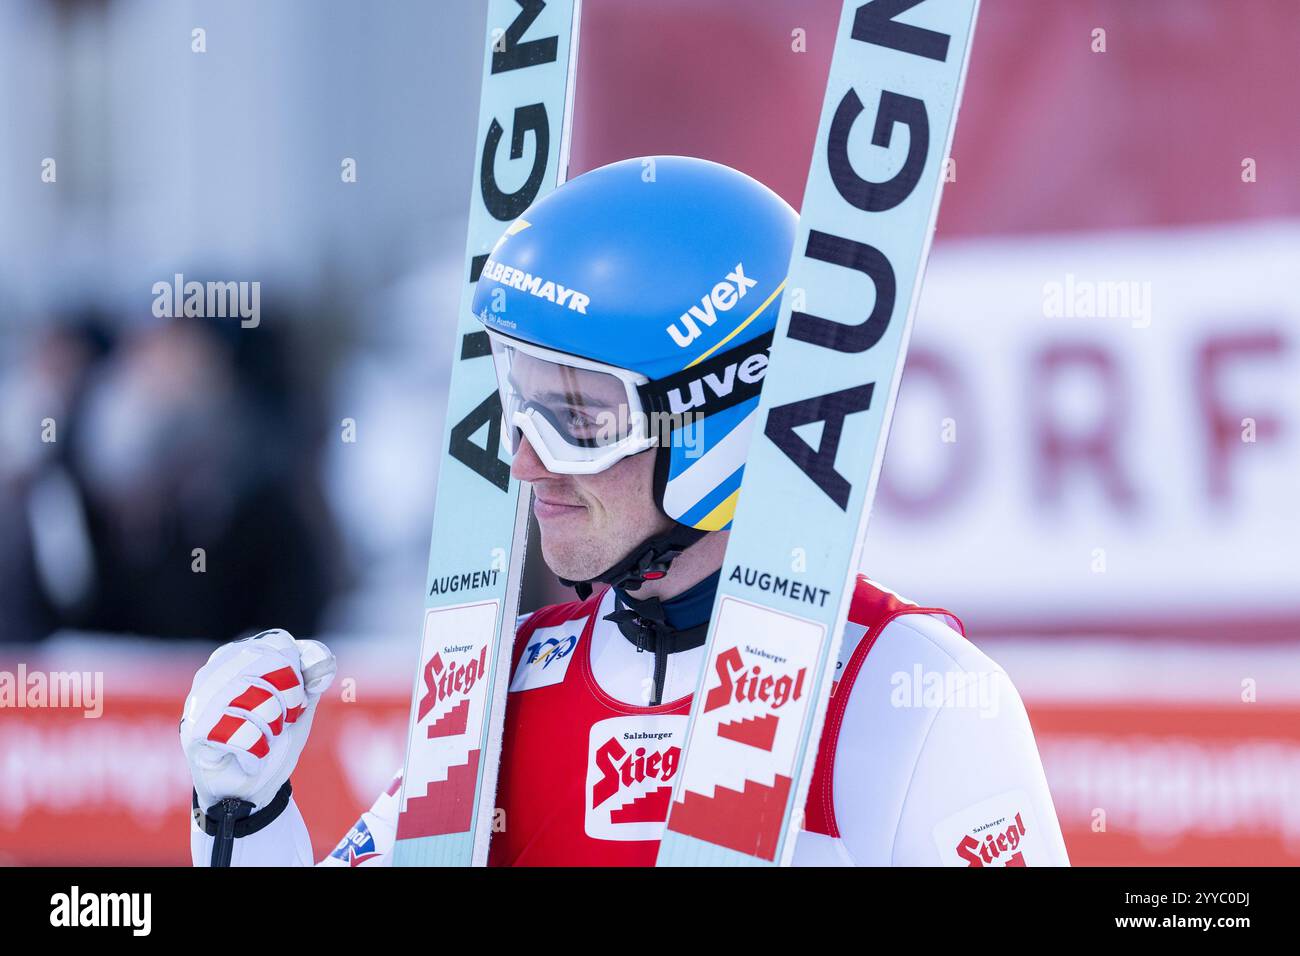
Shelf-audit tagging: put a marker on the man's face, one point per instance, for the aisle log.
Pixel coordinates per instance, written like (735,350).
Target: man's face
(590,522)
(587,522)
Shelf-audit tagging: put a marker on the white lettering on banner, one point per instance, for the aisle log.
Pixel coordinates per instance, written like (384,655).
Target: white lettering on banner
(1074,433)
(1227,789)
(112,765)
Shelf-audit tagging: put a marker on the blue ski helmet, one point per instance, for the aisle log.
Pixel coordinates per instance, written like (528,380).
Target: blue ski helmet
(642,294)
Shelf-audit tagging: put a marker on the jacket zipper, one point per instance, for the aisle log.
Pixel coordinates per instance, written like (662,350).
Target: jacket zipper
(661,672)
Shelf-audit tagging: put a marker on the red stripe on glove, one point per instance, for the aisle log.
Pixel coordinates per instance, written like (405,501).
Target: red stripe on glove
(283,679)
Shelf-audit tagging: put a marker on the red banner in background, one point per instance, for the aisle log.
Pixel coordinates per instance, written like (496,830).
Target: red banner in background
(1053,136)
(115,790)
(1174,784)
(1179,775)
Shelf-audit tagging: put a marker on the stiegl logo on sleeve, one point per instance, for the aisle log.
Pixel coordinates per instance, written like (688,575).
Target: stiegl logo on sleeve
(999,831)
(75,908)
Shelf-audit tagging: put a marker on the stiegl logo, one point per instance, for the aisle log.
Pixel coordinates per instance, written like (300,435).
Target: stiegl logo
(620,770)
(721,298)
(632,762)
(739,683)
(995,843)
(455,676)
(103,909)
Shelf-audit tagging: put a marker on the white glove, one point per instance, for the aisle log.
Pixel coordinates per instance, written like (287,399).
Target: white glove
(248,714)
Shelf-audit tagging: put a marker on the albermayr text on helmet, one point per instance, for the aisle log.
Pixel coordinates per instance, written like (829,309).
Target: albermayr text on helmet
(536,285)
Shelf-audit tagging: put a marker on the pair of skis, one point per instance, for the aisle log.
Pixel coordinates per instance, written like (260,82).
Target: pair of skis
(867,219)
(480,517)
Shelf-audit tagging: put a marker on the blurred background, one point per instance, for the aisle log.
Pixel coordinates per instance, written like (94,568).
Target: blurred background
(1095,460)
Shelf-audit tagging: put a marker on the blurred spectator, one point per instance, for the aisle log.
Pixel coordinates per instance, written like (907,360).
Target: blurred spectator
(44,568)
(180,498)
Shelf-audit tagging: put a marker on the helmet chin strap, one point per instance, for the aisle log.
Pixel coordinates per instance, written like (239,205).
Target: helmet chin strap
(649,562)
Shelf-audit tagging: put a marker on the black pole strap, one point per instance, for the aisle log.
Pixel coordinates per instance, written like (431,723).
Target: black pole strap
(232,818)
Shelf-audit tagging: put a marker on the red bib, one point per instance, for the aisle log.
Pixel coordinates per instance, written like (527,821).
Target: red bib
(586,779)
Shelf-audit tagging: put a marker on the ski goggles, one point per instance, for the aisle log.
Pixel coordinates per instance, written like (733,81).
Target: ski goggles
(579,416)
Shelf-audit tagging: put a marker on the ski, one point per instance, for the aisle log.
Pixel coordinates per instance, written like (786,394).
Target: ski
(868,215)
(480,523)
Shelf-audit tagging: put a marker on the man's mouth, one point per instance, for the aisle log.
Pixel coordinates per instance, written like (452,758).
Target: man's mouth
(544,508)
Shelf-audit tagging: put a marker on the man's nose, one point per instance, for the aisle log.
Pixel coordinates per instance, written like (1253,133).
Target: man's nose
(526,465)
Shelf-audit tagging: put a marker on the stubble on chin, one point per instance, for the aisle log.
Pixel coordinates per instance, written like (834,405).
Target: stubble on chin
(575,553)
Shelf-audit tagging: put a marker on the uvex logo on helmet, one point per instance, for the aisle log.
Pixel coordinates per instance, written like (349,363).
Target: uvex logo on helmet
(737,381)
(716,383)
(721,298)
